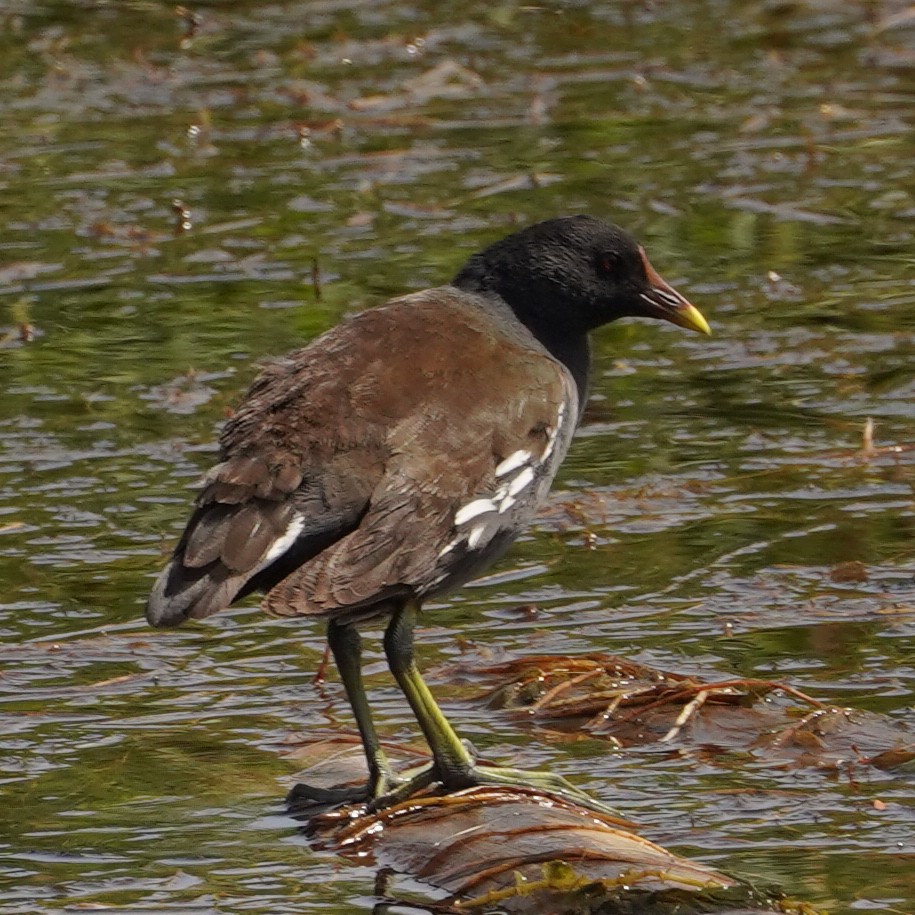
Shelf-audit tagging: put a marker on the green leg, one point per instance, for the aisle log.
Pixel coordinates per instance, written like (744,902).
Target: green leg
(346,645)
(453,765)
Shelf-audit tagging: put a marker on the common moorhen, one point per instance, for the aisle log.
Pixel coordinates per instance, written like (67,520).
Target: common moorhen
(400,453)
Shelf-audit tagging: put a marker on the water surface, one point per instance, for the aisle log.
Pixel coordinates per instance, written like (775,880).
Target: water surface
(174,186)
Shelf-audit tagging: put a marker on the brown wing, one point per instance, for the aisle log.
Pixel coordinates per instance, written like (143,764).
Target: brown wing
(454,493)
(343,468)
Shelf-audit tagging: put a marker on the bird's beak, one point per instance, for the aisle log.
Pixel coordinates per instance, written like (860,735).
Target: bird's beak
(663,301)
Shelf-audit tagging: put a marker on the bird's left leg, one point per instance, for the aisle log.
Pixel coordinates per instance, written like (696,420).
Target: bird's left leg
(346,645)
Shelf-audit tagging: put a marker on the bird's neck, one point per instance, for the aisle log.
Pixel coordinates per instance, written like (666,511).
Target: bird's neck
(574,352)
(569,346)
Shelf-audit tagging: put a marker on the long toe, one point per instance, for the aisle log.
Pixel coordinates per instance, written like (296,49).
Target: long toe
(409,783)
(547,782)
(414,781)
(310,799)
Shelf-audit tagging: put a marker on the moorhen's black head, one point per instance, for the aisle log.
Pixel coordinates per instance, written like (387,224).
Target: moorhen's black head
(566,276)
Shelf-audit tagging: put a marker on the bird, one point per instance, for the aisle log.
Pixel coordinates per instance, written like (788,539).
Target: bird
(398,455)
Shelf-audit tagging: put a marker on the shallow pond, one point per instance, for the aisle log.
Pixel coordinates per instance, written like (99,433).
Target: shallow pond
(187,192)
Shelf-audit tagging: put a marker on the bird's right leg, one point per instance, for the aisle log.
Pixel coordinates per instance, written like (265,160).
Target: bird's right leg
(454,766)
(346,645)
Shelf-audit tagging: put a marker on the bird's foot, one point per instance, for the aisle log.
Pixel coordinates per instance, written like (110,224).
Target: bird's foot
(547,782)
(479,774)
(303,798)
(307,798)
(412,782)
(385,789)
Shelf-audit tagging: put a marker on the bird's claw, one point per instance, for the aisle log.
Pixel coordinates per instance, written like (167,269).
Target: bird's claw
(547,782)
(305,798)
(388,789)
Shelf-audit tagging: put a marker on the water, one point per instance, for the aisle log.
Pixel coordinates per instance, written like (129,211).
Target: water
(762,152)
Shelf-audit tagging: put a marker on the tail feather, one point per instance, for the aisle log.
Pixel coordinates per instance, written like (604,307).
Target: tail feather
(255,523)
(181,593)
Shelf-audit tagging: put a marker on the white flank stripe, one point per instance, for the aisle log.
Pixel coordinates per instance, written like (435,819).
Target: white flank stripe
(476,536)
(513,462)
(448,547)
(525,478)
(472,509)
(279,546)
(551,441)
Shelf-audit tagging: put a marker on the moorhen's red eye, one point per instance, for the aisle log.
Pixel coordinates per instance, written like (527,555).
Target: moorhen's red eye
(606,264)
